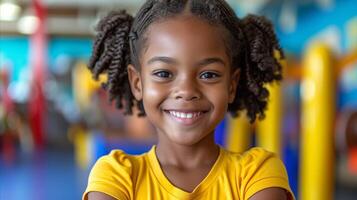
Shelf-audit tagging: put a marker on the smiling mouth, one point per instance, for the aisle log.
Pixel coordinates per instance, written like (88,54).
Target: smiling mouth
(185,117)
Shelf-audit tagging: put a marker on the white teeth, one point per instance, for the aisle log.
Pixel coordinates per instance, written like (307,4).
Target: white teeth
(185,115)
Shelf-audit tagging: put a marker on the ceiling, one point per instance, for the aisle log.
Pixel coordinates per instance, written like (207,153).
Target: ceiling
(78,17)
(68,17)
(64,15)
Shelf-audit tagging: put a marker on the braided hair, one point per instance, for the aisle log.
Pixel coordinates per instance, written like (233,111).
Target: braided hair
(251,43)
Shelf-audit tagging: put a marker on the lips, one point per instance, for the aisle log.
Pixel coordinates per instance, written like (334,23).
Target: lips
(185,117)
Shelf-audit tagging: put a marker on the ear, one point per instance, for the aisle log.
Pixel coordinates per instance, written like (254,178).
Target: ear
(233,85)
(135,82)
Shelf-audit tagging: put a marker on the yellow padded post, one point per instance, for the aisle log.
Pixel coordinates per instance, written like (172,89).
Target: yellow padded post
(317,124)
(239,135)
(269,129)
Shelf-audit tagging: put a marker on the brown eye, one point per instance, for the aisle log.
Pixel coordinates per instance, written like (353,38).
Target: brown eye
(163,74)
(209,75)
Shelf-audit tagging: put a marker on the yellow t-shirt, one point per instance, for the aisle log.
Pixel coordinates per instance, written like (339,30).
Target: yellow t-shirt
(233,176)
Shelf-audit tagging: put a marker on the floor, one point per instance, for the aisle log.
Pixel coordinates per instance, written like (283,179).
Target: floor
(46,175)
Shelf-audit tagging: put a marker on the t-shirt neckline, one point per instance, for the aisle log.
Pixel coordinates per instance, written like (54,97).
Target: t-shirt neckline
(177,192)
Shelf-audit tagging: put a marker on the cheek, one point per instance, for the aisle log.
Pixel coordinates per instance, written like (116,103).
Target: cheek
(219,98)
(151,92)
(221,103)
(153,95)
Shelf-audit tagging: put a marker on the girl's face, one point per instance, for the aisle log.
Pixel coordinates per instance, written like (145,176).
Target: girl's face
(185,80)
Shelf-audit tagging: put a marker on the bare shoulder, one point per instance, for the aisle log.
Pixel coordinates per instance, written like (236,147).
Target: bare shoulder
(99,196)
(273,193)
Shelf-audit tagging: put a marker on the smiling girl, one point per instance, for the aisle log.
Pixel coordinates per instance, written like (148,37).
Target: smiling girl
(184,64)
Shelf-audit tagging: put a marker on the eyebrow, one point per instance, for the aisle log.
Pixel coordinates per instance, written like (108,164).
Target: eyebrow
(169,60)
(208,61)
(163,59)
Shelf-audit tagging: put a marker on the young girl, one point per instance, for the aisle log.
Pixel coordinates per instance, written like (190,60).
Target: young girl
(184,64)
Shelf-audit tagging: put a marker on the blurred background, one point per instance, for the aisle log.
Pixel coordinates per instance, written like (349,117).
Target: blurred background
(55,121)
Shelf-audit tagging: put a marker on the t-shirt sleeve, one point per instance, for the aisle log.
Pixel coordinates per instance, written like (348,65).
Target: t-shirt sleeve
(262,169)
(111,175)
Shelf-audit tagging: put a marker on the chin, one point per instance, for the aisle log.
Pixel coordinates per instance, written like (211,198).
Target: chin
(187,140)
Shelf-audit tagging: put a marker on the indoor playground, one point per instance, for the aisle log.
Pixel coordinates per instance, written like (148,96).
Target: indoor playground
(56,121)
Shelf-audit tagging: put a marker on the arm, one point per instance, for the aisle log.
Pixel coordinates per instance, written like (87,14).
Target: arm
(265,176)
(273,193)
(99,196)
(110,178)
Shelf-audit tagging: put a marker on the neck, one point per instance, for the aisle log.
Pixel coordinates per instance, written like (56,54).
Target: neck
(203,153)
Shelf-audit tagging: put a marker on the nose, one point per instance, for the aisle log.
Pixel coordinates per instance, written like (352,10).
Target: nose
(187,90)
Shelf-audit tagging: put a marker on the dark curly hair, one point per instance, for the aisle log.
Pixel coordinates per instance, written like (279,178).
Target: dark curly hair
(251,43)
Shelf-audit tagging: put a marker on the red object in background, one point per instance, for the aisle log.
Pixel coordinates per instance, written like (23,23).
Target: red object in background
(8,151)
(38,49)
(351,141)
(7,101)
(352,160)
(7,143)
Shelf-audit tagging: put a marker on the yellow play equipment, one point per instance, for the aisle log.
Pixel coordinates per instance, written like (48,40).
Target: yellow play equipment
(239,135)
(317,124)
(84,86)
(82,145)
(269,130)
